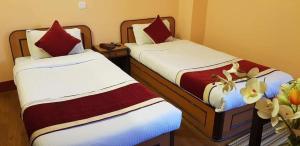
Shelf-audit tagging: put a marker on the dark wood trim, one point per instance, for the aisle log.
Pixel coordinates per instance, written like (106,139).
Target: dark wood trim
(7,85)
(217,126)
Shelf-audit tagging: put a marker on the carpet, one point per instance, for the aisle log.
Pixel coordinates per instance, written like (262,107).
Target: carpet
(269,137)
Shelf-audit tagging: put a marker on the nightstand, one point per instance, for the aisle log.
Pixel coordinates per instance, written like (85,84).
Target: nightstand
(118,55)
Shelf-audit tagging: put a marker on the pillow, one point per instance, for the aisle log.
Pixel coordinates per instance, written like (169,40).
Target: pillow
(158,31)
(140,36)
(56,41)
(38,53)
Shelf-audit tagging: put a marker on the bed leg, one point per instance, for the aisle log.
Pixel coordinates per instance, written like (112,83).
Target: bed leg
(256,129)
(172,138)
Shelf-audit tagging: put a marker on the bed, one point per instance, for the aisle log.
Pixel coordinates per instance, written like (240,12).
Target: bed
(60,98)
(171,68)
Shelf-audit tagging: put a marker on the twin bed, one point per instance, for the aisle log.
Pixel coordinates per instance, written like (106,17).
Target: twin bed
(181,71)
(84,99)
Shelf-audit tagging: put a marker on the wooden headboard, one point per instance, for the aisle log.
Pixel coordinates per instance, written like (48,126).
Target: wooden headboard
(19,47)
(127,35)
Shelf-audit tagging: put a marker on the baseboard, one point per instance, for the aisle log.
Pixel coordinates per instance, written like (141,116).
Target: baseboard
(7,85)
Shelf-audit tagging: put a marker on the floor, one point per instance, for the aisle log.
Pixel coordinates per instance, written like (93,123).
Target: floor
(12,132)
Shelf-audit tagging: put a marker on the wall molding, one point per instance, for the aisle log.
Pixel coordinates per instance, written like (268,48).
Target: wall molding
(7,85)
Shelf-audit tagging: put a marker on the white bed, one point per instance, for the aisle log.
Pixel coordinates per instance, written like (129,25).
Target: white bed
(72,76)
(172,59)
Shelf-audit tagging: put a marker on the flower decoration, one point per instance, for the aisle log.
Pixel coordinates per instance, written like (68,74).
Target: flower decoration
(268,109)
(227,82)
(253,91)
(287,112)
(283,110)
(235,68)
(253,72)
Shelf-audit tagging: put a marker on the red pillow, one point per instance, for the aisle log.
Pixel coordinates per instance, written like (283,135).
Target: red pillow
(56,41)
(158,31)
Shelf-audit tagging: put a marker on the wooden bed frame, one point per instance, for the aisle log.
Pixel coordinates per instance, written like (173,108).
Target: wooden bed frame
(19,48)
(217,126)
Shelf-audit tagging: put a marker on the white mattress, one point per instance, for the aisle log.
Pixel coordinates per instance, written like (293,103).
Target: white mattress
(172,59)
(68,77)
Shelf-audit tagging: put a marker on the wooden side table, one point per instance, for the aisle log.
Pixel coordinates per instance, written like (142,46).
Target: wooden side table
(118,55)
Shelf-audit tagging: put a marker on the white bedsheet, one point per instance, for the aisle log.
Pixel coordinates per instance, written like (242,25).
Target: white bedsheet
(68,77)
(172,59)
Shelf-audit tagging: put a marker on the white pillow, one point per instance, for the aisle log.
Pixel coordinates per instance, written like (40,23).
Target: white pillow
(140,36)
(38,53)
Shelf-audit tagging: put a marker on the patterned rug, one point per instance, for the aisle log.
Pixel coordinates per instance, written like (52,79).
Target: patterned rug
(269,137)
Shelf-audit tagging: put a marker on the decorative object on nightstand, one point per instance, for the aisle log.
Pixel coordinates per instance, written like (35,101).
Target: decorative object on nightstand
(109,46)
(117,53)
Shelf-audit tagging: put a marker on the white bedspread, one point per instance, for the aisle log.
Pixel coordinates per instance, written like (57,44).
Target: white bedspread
(172,59)
(74,76)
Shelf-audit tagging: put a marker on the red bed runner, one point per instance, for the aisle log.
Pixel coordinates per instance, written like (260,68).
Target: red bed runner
(196,81)
(45,116)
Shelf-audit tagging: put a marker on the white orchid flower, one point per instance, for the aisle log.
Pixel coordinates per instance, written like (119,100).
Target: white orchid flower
(253,72)
(235,67)
(235,70)
(253,91)
(268,109)
(228,83)
(287,112)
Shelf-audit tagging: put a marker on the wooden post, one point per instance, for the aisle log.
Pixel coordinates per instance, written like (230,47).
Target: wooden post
(256,129)
(172,138)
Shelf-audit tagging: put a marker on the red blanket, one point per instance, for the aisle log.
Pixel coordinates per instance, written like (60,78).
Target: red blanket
(48,117)
(196,81)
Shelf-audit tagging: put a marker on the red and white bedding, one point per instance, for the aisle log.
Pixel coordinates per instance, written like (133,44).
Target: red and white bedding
(84,99)
(191,66)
